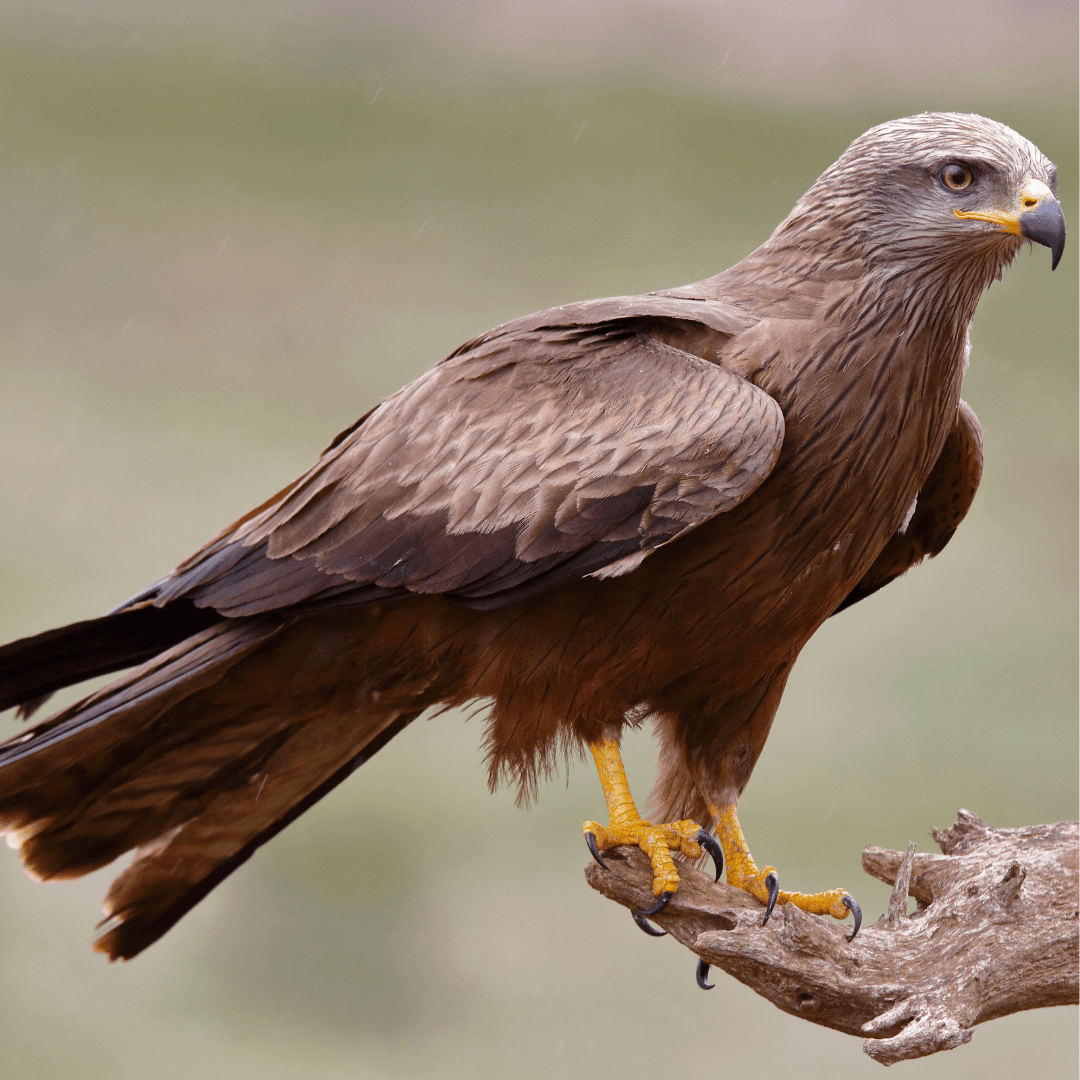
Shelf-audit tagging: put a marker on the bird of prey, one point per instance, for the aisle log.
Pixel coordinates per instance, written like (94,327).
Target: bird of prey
(638,507)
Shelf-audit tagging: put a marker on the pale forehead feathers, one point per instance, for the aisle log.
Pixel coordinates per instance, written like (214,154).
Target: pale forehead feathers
(929,139)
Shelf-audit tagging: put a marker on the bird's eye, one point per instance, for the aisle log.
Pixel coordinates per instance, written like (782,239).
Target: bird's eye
(955,177)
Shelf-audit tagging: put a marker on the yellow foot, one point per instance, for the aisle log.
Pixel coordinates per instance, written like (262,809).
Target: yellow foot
(743,873)
(657,841)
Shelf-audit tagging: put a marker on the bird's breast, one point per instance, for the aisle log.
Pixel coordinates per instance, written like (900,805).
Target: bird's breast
(866,416)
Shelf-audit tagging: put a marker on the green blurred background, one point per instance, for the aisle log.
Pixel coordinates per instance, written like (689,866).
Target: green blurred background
(228,229)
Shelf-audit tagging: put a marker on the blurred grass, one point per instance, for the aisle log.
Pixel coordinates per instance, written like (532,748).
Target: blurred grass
(209,264)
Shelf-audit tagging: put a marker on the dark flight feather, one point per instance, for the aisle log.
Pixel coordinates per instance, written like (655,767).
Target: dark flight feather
(34,667)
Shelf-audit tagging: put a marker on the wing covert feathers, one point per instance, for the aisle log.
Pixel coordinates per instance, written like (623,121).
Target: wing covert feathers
(536,458)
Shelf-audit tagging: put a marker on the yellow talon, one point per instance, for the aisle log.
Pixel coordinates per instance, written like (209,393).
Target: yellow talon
(743,873)
(627,826)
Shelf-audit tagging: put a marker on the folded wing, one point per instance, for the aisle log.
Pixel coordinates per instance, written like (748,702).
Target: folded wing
(533,458)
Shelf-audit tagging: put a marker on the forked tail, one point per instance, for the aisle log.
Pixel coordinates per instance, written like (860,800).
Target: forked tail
(194,760)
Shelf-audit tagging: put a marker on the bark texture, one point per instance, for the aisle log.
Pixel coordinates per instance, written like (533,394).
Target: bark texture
(995,931)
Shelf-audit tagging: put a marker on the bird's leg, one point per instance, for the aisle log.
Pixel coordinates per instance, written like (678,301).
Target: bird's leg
(627,827)
(743,873)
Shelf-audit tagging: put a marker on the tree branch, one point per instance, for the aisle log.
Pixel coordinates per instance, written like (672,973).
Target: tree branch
(995,932)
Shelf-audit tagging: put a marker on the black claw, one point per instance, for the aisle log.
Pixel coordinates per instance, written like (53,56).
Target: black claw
(647,926)
(658,906)
(590,839)
(853,906)
(641,916)
(772,883)
(714,849)
(702,974)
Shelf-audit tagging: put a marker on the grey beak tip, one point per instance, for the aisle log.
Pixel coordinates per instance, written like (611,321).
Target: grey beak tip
(1046,226)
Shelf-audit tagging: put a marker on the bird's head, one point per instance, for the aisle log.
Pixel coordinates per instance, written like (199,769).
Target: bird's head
(940,193)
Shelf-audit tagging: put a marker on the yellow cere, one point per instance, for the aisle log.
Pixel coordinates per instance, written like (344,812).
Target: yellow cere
(1031,196)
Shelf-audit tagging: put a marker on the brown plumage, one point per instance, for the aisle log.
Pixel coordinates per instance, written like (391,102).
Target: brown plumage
(641,506)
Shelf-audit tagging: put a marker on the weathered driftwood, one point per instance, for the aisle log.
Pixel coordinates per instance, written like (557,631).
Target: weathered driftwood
(994,932)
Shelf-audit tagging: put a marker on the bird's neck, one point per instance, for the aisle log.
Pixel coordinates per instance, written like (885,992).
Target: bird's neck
(805,271)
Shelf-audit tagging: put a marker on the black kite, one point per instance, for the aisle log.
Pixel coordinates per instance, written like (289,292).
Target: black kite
(641,506)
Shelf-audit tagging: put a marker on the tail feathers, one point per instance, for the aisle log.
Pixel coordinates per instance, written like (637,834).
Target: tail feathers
(173,873)
(33,667)
(194,760)
(62,762)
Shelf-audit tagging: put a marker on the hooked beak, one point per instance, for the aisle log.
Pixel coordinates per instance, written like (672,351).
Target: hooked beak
(1038,217)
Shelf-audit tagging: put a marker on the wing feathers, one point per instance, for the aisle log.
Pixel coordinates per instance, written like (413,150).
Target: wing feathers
(538,449)
(34,667)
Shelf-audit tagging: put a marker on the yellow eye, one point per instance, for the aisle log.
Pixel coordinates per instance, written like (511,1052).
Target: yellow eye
(956,177)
